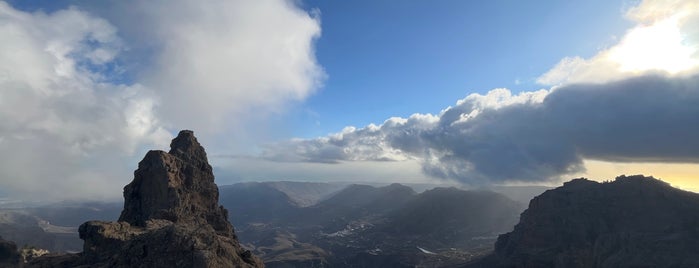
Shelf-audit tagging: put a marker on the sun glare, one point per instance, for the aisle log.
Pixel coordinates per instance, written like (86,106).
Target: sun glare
(681,175)
(660,46)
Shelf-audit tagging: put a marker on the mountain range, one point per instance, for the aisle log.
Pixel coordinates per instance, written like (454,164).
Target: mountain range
(367,226)
(632,221)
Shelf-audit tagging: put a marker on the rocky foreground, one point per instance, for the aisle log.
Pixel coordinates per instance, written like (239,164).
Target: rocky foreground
(633,221)
(171,218)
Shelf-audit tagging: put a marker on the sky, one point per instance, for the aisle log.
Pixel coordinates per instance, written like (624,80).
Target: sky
(501,92)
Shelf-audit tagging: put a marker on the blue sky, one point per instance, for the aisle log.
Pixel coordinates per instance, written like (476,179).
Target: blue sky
(472,92)
(396,58)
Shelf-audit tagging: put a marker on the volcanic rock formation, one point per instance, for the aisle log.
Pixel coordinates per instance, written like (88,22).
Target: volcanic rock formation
(9,256)
(633,221)
(171,218)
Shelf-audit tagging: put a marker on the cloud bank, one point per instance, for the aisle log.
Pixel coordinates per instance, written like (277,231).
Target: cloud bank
(532,136)
(636,101)
(82,96)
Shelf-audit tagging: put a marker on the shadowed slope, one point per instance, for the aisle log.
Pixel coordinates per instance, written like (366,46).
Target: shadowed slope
(633,221)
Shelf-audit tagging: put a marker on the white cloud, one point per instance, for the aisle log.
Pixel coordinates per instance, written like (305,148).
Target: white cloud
(217,63)
(71,126)
(665,40)
(56,113)
(637,103)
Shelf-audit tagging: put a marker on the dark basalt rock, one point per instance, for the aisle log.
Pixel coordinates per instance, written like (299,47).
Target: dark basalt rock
(171,218)
(177,186)
(9,256)
(633,221)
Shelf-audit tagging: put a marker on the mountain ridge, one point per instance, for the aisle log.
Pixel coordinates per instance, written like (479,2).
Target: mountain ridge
(633,221)
(353,227)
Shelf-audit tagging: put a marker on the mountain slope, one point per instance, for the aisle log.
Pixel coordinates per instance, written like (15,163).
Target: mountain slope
(454,216)
(633,221)
(255,202)
(306,194)
(357,206)
(366,226)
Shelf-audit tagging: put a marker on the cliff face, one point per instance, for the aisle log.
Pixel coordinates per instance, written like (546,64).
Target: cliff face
(631,222)
(171,218)
(177,186)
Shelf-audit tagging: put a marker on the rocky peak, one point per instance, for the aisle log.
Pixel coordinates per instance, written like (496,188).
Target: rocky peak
(185,146)
(175,186)
(171,218)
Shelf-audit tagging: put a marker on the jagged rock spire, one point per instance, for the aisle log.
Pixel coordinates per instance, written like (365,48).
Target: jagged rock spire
(171,218)
(185,146)
(175,186)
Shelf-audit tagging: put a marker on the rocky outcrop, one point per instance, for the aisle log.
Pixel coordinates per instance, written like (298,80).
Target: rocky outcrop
(177,186)
(9,256)
(633,221)
(171,218)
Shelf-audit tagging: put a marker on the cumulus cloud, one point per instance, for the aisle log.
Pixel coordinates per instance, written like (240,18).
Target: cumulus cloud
(83,91)
(531,136)
(665,41)
(635,101)
(215,64)
(56,110)
(352,144)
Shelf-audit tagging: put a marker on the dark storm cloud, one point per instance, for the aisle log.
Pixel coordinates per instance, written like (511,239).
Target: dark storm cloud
(643,119)
(533,136)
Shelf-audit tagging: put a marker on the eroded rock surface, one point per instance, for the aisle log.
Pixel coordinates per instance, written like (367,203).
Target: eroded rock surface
(634,221)
(171,218)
